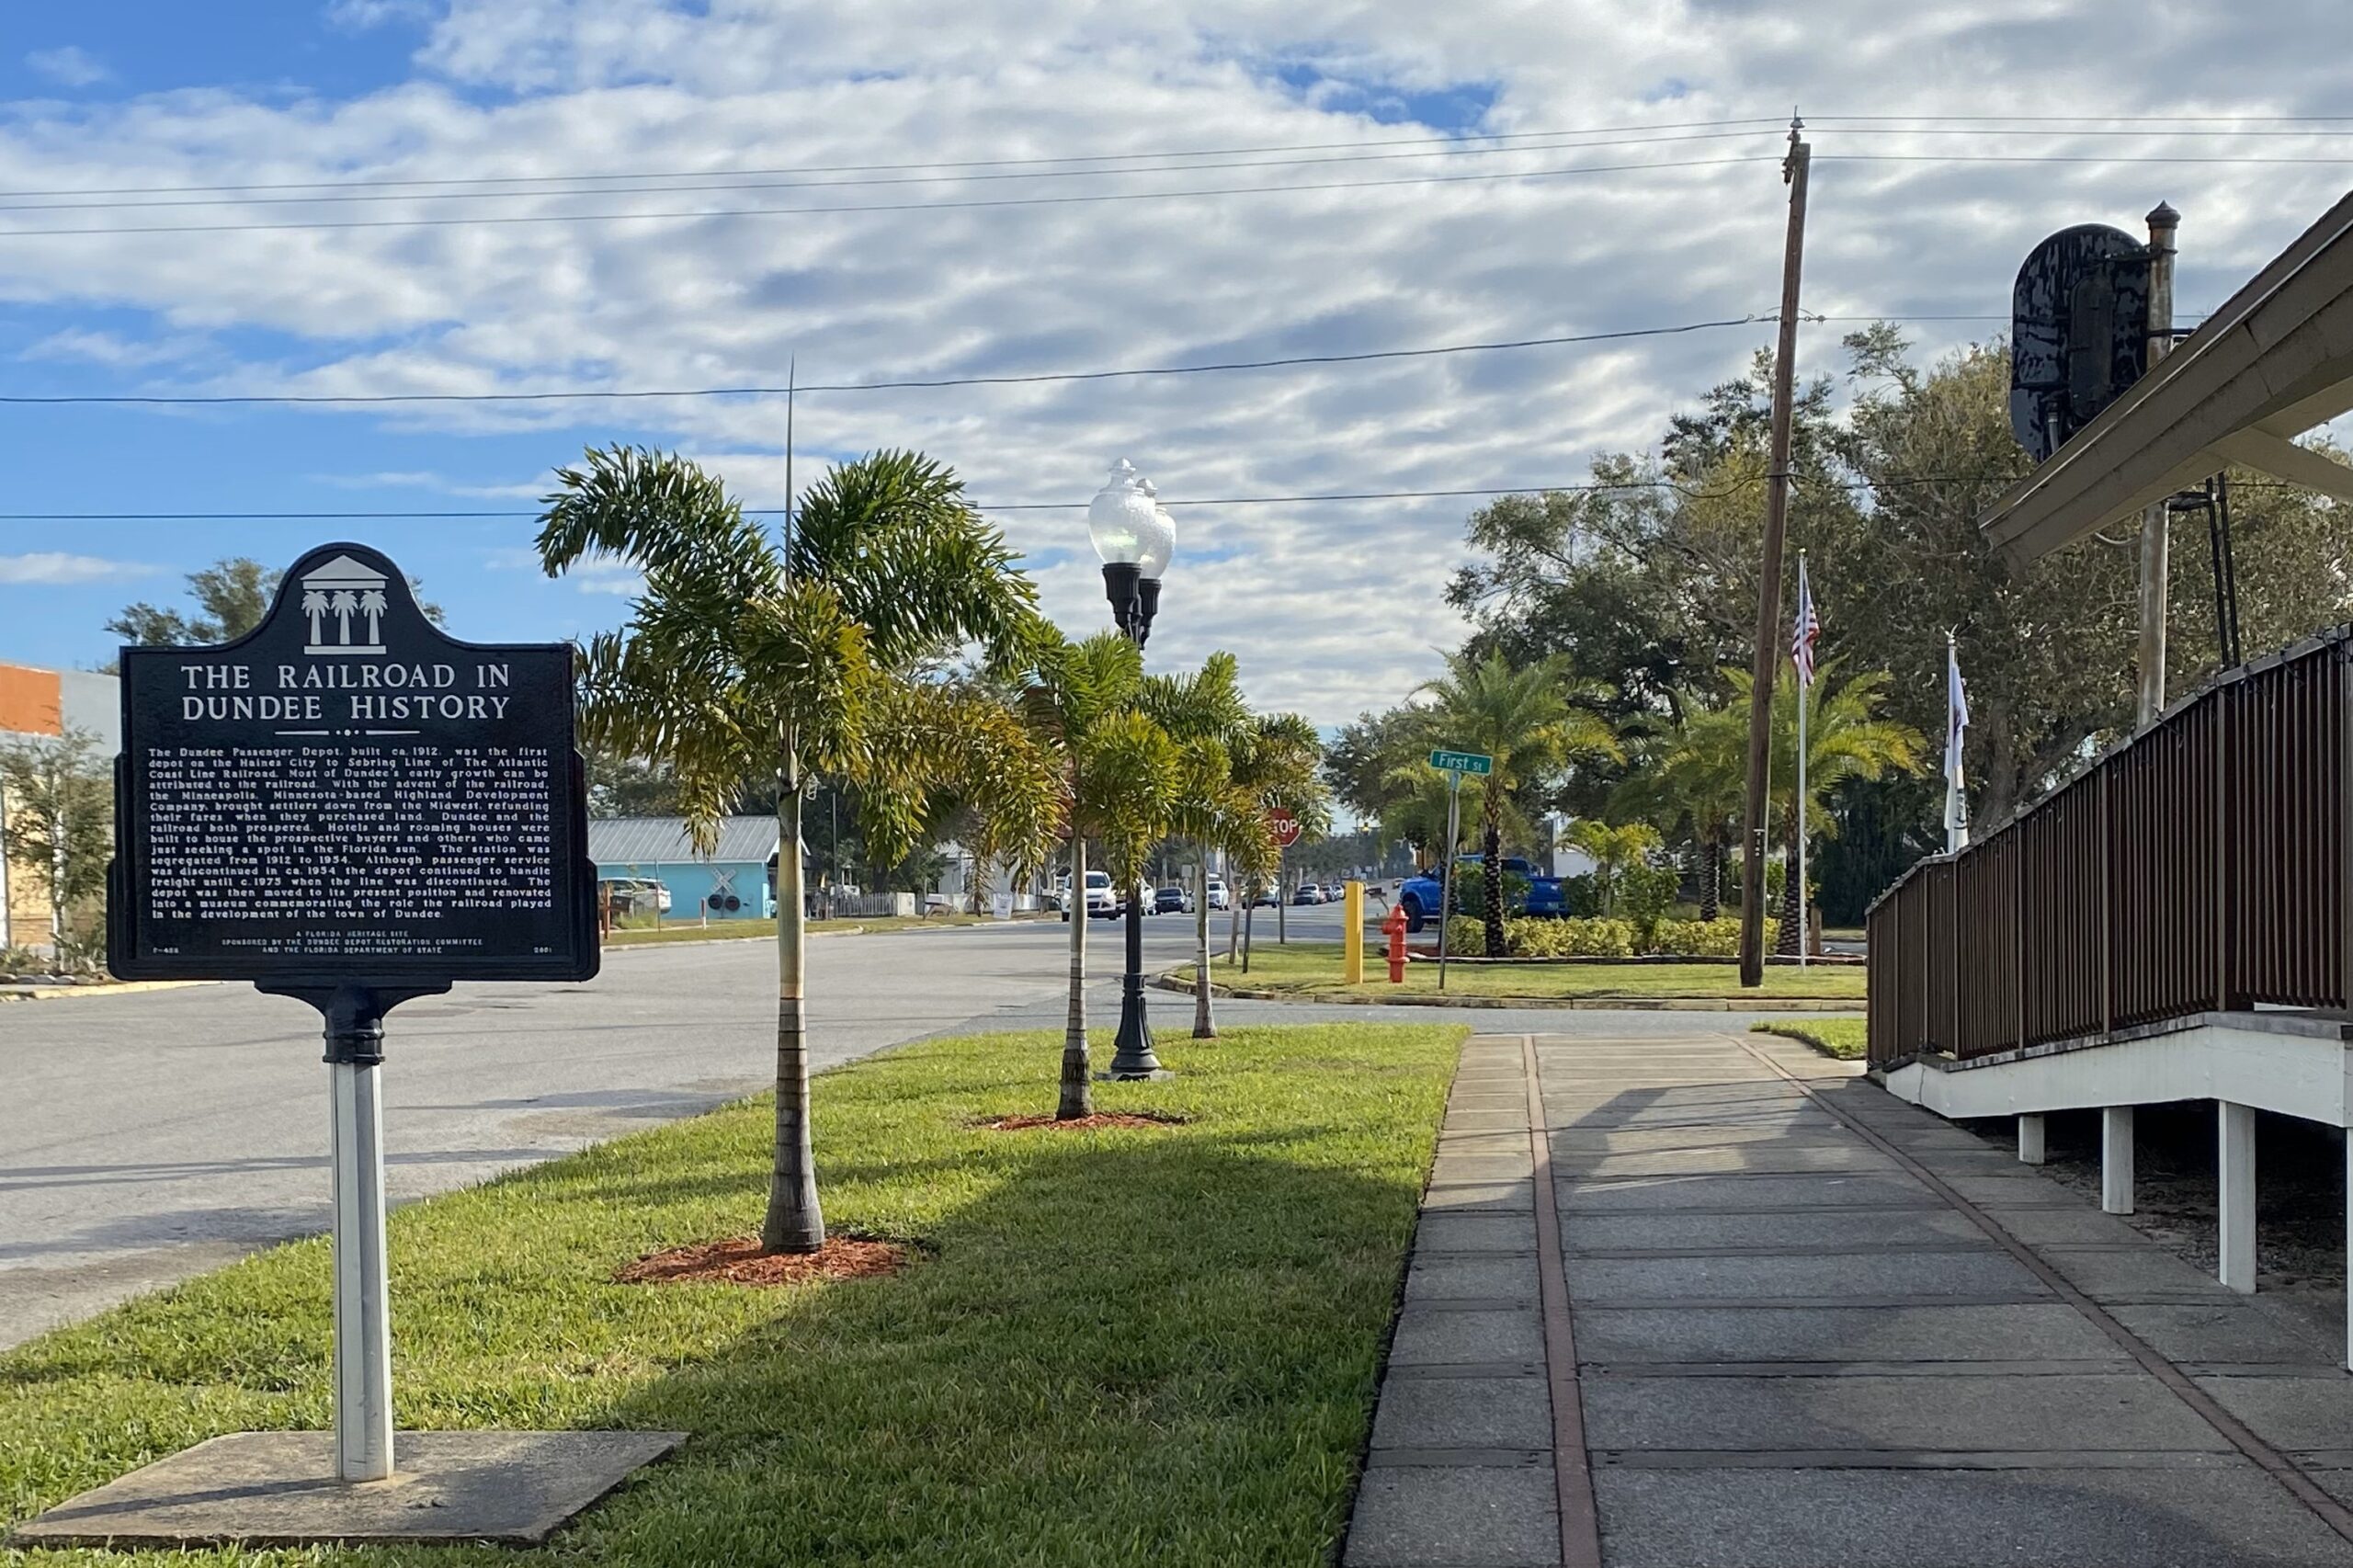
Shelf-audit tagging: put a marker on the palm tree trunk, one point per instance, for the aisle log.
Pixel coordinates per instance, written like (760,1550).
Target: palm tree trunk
(794,1221)
(1204,1026)
(1078,1082)
(1710,878)
(1491,852)
(1785,944)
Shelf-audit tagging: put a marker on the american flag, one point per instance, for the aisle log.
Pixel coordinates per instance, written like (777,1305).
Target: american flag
(1808,630)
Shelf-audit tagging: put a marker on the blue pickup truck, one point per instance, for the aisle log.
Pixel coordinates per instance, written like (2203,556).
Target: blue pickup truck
(1527,892)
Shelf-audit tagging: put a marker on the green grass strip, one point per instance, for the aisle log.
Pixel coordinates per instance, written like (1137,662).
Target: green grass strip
(1146,1347)
(1312,969)
(1842,1038)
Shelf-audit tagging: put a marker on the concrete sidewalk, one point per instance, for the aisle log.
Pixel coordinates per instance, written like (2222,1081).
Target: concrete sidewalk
(1783,1320)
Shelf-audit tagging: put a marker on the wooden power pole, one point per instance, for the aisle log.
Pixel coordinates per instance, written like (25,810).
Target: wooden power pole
(1769,582)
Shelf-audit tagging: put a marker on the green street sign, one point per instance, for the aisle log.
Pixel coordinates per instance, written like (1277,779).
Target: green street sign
(1470,762)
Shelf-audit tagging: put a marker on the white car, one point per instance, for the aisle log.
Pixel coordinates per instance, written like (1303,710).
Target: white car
(1219,896)
(1101,902)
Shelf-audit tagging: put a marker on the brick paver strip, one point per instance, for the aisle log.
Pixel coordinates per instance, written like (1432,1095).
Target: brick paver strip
(1571,1468)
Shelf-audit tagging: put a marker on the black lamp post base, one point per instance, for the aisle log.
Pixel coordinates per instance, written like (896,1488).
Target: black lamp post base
(1132,1057)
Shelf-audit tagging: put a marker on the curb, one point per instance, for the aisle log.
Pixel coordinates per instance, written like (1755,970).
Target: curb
(119,988)
(1831,1007)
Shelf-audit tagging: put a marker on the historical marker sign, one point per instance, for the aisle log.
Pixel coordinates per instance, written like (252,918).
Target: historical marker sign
(346,796)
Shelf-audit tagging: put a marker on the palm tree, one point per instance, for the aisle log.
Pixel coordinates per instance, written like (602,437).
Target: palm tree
(743,656)
(1845,739)
(1613,849)
(1691,773)
(1533,722)
(1204,714)
(1117,770)
(1275,765)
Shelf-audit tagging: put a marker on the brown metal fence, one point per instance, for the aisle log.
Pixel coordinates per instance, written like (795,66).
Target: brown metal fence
(2200,865)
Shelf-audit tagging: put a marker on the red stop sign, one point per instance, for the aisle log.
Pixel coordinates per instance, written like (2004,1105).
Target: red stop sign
(1286,827)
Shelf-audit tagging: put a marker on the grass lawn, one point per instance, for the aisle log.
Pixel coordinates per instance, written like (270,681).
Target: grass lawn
(734,930)
(1314,968)
(1841,1037)
(1146,1347)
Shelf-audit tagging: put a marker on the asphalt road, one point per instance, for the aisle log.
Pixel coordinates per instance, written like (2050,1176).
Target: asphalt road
(146,1137)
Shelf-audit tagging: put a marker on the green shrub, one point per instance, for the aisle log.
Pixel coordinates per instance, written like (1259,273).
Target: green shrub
(1540,937)
(1717,939)
(1645,897)
(1467,934)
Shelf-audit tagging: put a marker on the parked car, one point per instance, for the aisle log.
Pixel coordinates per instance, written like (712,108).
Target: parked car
(634,895)
(1421,895)
(1102,900)
(1173,901)
(1308,893)
(1265,899)
(1334,891)
(1221,896)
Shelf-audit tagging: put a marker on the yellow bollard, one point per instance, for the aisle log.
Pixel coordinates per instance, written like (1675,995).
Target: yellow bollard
(1352,935)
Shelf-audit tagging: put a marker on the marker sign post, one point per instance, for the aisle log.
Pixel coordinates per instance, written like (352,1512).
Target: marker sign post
(348,807)
(1454,765)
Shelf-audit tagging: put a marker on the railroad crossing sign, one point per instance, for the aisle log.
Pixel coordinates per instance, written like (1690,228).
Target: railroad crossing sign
(1471,762)
(1286,827)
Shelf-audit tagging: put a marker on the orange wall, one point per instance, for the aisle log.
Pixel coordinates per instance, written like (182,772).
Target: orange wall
(30,703)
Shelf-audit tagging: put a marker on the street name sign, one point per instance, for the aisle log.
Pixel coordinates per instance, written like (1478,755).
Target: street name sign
(1470,762)
(346,794)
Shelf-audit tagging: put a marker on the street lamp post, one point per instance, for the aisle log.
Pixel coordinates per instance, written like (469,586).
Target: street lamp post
(1135,536)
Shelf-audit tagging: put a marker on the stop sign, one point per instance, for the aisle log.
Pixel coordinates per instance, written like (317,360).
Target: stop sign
(1286,827)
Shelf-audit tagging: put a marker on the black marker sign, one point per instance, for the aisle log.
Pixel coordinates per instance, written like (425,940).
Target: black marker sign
(346,796)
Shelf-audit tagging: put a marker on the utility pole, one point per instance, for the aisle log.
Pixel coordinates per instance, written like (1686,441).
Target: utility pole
(1769,582)
(2155,533)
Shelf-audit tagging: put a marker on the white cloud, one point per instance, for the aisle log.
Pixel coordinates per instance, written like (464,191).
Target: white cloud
(57,567)
(113,350)
(359,16)
(424,479)
(1332,608)
(69,65)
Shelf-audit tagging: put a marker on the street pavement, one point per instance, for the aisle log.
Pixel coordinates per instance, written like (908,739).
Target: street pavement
(146,1137)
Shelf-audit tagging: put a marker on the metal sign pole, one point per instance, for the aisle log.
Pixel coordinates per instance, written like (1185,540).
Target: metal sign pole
(363,1325)
(1446,892)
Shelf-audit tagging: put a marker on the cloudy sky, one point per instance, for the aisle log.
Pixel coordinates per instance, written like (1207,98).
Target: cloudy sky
(487,195)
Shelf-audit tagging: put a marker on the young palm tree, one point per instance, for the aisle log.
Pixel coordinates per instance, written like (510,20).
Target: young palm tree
(1845,739)
(1118,776)
(1204,714)
(1533,722)
(1273,764)
(741,656)
(1613,850)
(1685,775)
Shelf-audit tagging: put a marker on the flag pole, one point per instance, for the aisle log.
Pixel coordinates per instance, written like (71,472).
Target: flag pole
(1805,700)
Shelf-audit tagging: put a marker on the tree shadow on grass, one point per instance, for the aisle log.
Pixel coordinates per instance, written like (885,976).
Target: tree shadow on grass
(1156,1350)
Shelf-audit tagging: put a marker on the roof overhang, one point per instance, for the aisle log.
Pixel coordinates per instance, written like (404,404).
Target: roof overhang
(2274,360)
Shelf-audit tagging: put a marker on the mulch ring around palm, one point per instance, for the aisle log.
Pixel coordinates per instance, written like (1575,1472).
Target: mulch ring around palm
(1100,1119)
(738,1260)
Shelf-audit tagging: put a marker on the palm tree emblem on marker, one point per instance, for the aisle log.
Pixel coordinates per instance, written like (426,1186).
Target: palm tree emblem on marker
(343,590)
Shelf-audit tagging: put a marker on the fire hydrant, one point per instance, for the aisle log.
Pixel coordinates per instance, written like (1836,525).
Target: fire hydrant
(1394,928)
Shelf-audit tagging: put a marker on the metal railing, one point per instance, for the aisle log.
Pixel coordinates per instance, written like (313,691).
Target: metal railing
(2200,865)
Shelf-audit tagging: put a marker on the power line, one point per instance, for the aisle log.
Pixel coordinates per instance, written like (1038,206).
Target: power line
(674,189)
(2075,158)
(1772,123)
(514,218)
(1689,492)
(1024,379)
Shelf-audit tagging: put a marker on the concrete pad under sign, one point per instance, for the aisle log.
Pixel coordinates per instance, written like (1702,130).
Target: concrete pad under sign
(279,1489)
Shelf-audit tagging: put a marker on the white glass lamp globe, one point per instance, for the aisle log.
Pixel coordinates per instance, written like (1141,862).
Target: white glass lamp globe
(1128,527)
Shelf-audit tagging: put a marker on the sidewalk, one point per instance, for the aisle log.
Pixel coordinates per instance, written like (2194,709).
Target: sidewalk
(1787,1339)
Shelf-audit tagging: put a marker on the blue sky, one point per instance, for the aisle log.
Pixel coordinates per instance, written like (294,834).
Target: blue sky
(1332,608)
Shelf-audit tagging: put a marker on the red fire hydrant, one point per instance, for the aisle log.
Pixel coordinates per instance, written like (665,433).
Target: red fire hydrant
(1394,927)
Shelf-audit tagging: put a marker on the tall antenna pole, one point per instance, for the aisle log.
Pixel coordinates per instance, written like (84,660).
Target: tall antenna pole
(792,369)
(2156,518)
(1769,582)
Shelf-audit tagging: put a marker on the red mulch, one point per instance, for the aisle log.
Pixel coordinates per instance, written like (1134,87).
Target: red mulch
(1078,1123)
(738,1260)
